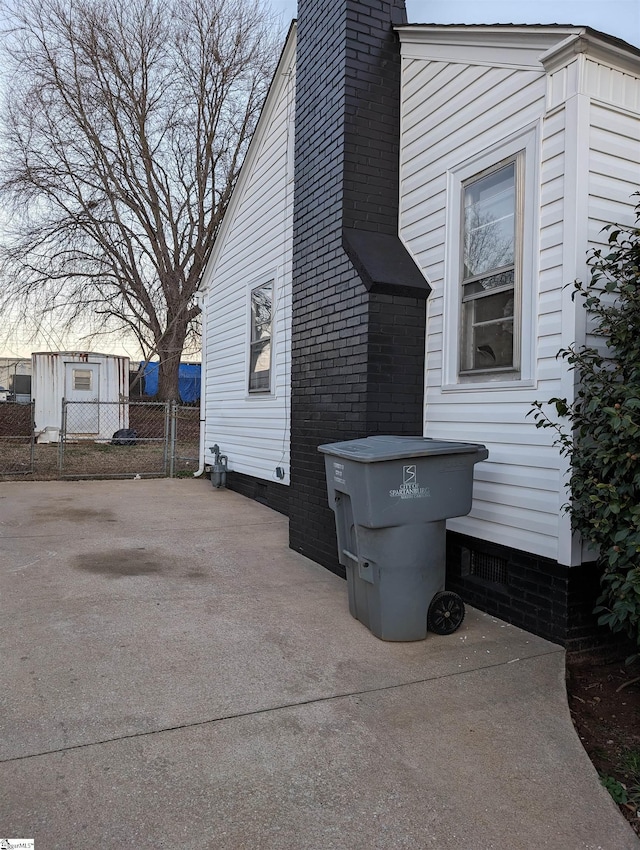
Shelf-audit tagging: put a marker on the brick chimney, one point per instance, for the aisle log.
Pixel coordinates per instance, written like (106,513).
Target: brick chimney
(358,320)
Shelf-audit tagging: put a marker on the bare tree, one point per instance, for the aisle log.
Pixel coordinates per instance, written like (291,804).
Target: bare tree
(126,122)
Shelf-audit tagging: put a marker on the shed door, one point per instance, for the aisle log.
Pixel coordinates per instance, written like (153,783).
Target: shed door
(82,384)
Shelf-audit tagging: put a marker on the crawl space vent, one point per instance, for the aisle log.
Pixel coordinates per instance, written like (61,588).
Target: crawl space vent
(489,567)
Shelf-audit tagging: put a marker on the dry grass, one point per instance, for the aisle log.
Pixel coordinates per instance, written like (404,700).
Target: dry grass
(150,455)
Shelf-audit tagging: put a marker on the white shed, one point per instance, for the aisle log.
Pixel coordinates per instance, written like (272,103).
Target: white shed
(90,390)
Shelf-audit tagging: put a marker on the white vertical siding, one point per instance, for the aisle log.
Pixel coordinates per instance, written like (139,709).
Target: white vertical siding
(614,86)
(254,247)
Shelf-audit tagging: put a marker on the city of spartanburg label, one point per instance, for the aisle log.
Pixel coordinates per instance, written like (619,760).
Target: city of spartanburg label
(410,488)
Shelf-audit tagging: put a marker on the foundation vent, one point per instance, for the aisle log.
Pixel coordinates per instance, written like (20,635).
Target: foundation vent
(484,566)
(488,567)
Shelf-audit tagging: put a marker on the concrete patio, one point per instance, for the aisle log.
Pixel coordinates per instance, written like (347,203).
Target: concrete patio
(174,676)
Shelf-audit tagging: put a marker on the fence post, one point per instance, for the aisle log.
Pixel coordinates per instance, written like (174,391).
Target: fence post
(172,452)
(166,439)
(33,436)
(61,437)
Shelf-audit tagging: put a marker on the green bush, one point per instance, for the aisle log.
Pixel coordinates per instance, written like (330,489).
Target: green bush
(615,788)
(602,435)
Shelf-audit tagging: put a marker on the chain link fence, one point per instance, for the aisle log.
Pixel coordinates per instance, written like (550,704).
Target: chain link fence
(17,441)
(185,440)
(102,440)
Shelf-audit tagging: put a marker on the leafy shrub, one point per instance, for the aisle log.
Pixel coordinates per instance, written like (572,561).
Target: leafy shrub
(615,788)
(602,438)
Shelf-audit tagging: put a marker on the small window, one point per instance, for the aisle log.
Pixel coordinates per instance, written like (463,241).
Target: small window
(82,379)
(260,344)
(491,251)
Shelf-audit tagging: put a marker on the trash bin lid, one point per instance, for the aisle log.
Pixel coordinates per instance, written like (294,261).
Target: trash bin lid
(387,447)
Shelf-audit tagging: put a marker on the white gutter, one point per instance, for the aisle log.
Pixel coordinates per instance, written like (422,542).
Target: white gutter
(200,299)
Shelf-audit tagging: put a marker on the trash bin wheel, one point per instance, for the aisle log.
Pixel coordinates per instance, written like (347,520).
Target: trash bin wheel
(446,613)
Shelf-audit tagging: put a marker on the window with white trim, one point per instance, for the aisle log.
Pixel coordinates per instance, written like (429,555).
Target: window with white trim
(491,270)
(260,338)
(491,263)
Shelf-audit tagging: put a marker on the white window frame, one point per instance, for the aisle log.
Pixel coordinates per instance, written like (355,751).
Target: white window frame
(523,148)
(251,342)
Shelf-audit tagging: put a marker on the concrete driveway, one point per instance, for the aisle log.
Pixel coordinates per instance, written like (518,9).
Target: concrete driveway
(173,676)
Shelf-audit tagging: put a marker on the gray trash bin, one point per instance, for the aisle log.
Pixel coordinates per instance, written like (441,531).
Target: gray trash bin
(391,497)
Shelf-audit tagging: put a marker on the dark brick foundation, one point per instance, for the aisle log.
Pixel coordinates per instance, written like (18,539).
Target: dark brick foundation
(534,593)
(269,493)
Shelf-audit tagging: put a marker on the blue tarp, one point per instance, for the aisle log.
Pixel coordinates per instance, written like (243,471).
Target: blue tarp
(188,380)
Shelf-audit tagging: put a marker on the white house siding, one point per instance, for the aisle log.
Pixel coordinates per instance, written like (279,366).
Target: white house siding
(588,162)
(614,171)
(614,167)
(614,143)
(450,112)
(254,247)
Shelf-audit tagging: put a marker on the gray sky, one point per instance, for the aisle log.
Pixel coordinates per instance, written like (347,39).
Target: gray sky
(616,17)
